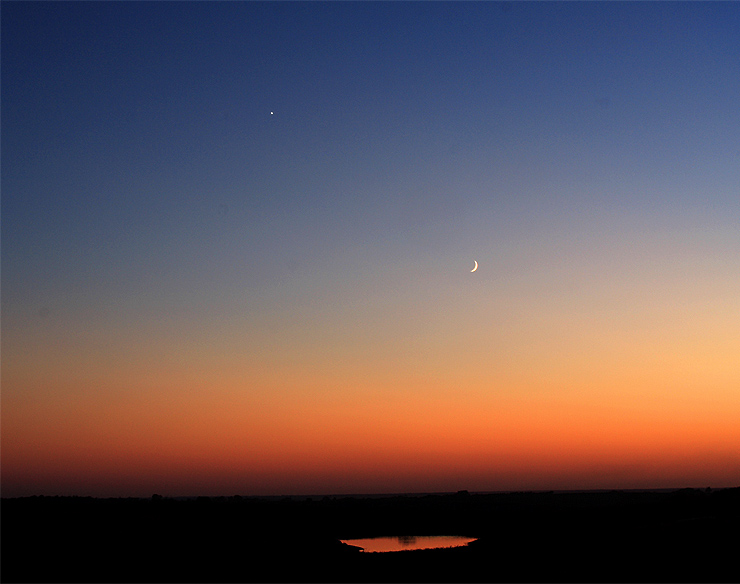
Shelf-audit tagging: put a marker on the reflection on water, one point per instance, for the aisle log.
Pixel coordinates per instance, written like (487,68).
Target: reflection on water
(408,542)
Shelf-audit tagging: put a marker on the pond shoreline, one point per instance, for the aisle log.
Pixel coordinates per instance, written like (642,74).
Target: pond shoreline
(683,535)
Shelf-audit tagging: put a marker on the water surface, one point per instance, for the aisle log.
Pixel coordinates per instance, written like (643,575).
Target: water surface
(407,542)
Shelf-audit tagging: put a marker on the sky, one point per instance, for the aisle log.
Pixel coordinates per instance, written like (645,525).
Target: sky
(237,243)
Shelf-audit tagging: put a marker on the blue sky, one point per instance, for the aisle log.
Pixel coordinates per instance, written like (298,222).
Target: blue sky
(142,122)
(220,180)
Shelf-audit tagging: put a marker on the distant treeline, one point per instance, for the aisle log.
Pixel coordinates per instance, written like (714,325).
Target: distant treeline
(684,535)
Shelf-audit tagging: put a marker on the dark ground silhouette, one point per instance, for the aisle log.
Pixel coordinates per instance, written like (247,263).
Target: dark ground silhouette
(688,535)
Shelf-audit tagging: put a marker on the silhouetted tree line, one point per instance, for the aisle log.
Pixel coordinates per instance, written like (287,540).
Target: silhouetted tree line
(688,535)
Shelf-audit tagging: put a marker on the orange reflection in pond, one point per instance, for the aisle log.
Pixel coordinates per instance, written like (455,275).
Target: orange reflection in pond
(406,542)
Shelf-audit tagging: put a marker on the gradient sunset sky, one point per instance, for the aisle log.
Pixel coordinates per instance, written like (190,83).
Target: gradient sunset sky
(237,243)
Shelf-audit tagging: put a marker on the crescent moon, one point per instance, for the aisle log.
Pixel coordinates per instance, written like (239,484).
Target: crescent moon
(475,268)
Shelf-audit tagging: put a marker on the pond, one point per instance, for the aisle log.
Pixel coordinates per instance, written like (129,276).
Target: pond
(407,542)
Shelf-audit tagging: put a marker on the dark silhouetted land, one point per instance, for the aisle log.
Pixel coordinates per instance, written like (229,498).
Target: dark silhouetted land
(688,535)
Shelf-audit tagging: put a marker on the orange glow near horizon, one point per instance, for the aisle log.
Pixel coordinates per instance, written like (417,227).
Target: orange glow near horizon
(333,441)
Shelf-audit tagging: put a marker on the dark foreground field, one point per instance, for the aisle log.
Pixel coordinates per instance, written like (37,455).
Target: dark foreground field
(686,535)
